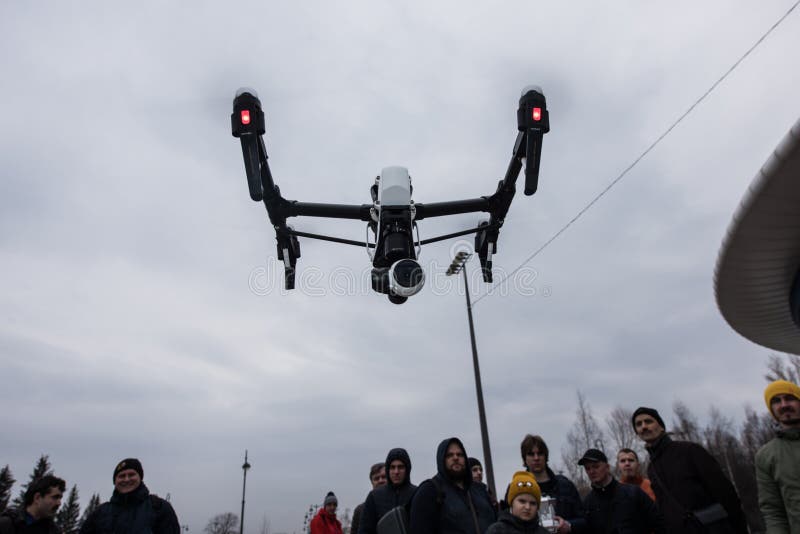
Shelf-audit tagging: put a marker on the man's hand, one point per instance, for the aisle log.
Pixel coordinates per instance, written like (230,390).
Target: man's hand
(563,525)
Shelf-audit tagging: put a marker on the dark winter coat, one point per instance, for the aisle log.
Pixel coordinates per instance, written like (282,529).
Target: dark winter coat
(621,509)
(355,522)
(568,500)
(448,509)
(382,499)
(685,477)
(137,512)
(508,524)
(20,522)
(325,523)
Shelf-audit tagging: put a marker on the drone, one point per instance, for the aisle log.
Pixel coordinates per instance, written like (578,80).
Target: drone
(392,216)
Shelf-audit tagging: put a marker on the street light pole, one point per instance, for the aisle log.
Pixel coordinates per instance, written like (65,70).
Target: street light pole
(245,467)
(459,264)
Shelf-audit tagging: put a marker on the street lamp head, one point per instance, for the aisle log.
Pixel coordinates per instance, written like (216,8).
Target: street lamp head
(458,262)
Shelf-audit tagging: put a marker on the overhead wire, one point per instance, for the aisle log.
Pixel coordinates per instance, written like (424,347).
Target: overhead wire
(641,156)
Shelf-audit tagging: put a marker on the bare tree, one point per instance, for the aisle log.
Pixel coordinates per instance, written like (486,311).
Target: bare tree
(756,431)
(584,434)
(684,426)
(620,429)
(784,367)
(222,524)
(265,525)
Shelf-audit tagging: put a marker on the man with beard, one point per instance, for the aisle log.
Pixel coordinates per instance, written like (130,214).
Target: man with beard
(568,508)
(449,503)
(35,516)
(630,472)
(397,491)
(615,507)
(132,508)
(377,477)
(778,461)
(691,490)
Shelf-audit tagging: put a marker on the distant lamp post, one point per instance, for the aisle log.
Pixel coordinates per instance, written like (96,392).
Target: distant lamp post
(245,467)
(458,265)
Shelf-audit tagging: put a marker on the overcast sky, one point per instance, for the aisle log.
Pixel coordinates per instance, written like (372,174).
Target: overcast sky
(141,301)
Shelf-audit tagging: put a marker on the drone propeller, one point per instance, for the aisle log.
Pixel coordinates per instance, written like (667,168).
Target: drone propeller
(534,120)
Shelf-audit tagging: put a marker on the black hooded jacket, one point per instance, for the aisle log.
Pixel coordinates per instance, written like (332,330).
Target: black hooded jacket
(442,507)
(137,512)
(382,499)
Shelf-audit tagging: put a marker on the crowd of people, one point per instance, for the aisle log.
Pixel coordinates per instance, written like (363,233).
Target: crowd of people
(685,491)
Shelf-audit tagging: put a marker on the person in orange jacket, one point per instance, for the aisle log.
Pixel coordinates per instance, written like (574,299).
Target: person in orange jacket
(630,471)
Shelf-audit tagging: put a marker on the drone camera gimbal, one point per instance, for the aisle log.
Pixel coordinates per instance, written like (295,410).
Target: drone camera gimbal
(393,216)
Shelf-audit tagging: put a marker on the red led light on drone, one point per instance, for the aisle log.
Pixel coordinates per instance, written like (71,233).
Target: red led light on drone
(245,116)
(537,114)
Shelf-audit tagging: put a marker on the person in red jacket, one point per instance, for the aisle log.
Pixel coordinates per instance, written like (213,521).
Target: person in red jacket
(325,522)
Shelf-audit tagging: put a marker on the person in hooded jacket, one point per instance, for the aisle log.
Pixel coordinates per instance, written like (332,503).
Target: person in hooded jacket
(450,503)
(326,522)
(522,516)
(132,508)
(397,491)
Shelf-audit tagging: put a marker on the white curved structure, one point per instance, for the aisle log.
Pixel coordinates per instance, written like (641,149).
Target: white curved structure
(760,256)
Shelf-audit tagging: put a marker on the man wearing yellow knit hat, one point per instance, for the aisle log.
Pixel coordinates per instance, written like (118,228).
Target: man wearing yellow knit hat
(778,462)
(523,498)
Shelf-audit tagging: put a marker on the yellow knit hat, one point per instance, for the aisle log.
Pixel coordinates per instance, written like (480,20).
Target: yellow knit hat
(780,387)
(524,482)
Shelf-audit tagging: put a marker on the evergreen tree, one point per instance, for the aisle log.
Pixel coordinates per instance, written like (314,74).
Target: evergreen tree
(6,483)
(94,503)
(42,469)
(67,517)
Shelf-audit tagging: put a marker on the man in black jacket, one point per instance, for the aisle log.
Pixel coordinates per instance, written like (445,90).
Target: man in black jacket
(377,477)
(35,516)
(397,491)
(688,482)
(569,510)
(132,508)
(449,503)
(615,507)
